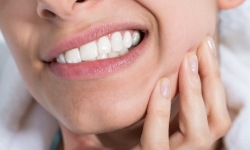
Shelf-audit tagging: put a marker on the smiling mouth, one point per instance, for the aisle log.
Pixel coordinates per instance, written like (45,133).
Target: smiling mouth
(112,45)
(104,50)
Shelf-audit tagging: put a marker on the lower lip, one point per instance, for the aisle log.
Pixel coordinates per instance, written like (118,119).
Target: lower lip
(99,68)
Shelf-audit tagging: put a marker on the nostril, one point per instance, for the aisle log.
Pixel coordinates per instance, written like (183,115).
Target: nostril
(80,1)
(48,14)
(50,9)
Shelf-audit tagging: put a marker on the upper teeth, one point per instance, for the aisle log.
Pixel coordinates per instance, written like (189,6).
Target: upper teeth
(105,47)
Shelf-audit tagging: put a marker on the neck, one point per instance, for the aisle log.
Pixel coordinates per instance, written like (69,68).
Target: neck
(119,140)
(123,139)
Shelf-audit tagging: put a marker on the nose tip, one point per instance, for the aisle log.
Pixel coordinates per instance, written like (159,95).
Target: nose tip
(50,9)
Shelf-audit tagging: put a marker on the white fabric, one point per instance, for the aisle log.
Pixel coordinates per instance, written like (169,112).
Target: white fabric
(1,38)
(235,65)
(24,125)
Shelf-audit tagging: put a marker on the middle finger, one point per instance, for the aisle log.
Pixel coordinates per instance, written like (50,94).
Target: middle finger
(194,129)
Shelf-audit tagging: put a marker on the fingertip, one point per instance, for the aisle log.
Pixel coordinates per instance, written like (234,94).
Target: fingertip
(156,126)
(165,90)
(189,74)
(208,45)
(193,64)
(161,96)
(207,57)
(211,45)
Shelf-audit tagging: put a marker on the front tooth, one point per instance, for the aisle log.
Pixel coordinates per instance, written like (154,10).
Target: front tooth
(112,54)
(104,45)
(116,42)
(89,51)
(73,56)
(102,56)
(136,38)
(124,51)
(127,40)
(61,58)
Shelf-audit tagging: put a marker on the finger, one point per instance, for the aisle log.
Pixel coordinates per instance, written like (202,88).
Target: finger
(194,130)
(155,131)
(213,91)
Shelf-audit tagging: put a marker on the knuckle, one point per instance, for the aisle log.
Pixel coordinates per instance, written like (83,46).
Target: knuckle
(217,74)
(197,91)
(161,114)
(194,90)
(195,86)
(203,144)
(222,127)
(194,93)
(155,146)
(213,73)
(201,141)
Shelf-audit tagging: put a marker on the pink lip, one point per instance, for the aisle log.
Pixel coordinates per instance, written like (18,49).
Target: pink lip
(93,69)
(87,36)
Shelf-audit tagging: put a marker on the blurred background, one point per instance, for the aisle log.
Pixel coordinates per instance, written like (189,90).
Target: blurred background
(1,37)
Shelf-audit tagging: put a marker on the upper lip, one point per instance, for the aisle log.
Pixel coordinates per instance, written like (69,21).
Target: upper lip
(88,35)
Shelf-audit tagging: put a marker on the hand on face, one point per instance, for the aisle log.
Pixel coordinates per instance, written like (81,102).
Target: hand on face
(203,115)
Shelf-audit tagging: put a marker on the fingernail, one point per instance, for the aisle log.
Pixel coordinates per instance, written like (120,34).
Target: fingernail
(193,64)
(165,88)
(211,46)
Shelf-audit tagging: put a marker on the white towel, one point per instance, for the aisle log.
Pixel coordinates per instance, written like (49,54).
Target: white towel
(235,69)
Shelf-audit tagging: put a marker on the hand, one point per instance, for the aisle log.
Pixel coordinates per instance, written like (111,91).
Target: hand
(203,115)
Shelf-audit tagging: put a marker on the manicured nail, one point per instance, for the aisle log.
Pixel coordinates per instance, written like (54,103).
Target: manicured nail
(193,64)
(165,88)
(211,46)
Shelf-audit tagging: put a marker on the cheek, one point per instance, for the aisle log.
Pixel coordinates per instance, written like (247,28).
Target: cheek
(18,27)
(17,22)
(182,31)
(182,28)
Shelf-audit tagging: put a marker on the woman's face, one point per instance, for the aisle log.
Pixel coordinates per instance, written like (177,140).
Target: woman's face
(101,95)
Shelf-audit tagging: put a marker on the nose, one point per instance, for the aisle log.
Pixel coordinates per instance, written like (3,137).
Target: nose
(63,9)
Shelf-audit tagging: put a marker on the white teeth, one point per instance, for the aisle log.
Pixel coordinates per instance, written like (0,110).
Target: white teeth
(89,51)
(61,58)
(116,42)
(124,51)
(136,38)
(73,56)
(127,40)
(113,54)
(109,46)
(102,56)
(104,45)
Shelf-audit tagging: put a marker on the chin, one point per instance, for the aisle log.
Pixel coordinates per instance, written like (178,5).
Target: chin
(105,117)
(93,112)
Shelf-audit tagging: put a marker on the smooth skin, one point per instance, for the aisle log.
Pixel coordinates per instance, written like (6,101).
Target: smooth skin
(202,98)
(81,107)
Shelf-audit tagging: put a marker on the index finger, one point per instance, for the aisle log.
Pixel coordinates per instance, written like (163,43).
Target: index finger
(156,128)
